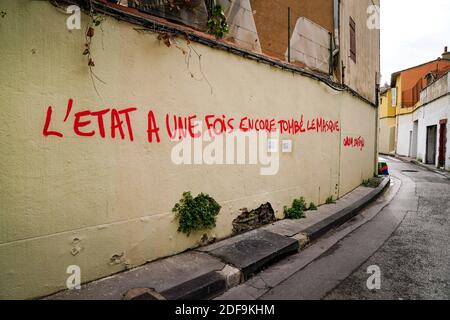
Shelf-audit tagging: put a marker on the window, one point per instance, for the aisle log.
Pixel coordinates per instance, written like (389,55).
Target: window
(352,40)
(394,97)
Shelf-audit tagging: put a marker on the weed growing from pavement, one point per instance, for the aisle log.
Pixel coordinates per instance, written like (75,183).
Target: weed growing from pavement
(297,211)
(330,200)
(312,207)
(196,214)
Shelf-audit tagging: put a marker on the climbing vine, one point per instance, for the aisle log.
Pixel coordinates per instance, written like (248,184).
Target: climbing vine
(196,214)
(217,22)
(172,40)
(95,21)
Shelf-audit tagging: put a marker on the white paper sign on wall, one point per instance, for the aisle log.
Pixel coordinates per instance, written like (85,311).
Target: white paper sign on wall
(286,146)
(272,145)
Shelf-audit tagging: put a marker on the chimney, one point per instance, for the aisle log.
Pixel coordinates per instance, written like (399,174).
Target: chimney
(446,54)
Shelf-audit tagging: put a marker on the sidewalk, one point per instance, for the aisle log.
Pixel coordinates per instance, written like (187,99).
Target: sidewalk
(428,167)
(209,271)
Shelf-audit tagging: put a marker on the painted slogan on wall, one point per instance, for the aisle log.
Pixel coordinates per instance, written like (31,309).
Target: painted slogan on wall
(118,124)
(355,142)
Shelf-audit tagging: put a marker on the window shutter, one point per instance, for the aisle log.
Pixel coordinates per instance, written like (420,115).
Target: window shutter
(352,40)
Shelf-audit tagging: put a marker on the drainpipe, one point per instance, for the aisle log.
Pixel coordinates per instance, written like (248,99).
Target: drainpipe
(330,60)
(336,24)
(334,53)
(377,131)
(289,35)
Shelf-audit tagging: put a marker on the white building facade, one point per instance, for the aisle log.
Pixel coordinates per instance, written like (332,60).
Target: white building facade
(404,135)
(428,126)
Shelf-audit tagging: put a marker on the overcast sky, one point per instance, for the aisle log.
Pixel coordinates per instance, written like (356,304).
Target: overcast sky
(412,32)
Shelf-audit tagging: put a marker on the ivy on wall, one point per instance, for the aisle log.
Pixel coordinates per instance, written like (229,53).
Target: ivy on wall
(217,22)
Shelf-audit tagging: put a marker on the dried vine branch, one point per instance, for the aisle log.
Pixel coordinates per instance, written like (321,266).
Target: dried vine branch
(170,39)
(95,21)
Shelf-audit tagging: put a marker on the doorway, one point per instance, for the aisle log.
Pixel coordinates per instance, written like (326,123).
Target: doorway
(415,136)
(442,143)
(431,145)
(392,140)
(410,144)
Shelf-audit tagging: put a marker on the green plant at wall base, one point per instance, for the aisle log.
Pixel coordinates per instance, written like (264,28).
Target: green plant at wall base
(196,214)
(297,211)
(372,182)
(330,200)
(3,14)
(217,23)
(312,207)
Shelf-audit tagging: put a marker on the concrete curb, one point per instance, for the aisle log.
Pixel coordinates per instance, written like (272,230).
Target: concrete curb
(220,266)
(419,164)
(319,229)
(253,251)
(440,172)
(204,287)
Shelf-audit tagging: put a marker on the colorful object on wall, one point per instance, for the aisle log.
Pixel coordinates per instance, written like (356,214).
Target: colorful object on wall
(383,169)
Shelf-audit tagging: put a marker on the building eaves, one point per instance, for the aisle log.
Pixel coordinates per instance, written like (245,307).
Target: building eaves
(396,74)
(161,25)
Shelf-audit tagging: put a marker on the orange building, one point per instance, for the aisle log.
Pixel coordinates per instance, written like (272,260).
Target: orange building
(397,123)
(415,79)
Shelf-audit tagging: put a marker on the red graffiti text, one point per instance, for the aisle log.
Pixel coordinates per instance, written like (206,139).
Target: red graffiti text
(86,123)
(351,142)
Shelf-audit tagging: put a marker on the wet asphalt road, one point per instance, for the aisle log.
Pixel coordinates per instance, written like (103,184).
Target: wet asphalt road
(409,240)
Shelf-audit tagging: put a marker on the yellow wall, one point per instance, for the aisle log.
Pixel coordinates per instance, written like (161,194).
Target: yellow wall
(387,129)
(386,108)
(388,116)
(80,201)
(387,113)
